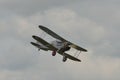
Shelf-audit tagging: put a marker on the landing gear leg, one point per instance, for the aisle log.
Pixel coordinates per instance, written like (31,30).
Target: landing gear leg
(53,53)
(39,49)
(64,58)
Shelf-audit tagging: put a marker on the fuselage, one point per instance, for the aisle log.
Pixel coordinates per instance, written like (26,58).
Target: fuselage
(57,44)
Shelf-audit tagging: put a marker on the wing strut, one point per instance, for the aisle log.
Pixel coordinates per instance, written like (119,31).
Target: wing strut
(43,35)
(77,53)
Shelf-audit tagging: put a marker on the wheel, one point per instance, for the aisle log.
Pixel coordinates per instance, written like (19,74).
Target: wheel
(53,53)
(64,58)
(38,49)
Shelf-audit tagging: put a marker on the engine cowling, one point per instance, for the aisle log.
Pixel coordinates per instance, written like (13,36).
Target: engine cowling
(64,58)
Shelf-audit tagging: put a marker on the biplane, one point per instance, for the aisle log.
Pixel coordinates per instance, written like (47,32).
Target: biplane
(60,45)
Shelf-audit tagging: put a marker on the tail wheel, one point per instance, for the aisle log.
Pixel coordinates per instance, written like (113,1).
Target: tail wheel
(64,58)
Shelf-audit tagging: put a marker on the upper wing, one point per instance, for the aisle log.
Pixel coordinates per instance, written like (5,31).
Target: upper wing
(45,43)
(50,32)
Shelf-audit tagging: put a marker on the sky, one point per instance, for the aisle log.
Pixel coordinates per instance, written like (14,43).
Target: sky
(91,24)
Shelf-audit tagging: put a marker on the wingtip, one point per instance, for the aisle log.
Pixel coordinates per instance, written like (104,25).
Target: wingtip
(41,26)
(32,43)
(86,51)
(33,36)
(79,60)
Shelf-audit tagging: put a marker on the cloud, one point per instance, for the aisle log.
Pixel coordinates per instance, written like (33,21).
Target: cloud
(20,60)
(28,7)
(67,19)
(15,54)
(106,15)
(94,67)
(102,12)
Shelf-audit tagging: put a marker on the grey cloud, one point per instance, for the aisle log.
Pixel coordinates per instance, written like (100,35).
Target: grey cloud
(94,35)
(28,7)
(65,19)
(103,12)
(106,14)
(20,60)
(15,55)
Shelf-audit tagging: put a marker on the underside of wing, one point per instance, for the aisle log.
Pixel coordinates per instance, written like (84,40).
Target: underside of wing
(50,32)
(72,57)
(45,43)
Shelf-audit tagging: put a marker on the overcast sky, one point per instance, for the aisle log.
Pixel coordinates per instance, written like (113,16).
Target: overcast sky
(92,24)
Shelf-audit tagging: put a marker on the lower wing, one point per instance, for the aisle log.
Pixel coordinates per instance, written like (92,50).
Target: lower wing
(70,57)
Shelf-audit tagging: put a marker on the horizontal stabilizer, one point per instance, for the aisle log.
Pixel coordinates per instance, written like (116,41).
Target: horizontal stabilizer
(38,46)
(45,43)
(35,44)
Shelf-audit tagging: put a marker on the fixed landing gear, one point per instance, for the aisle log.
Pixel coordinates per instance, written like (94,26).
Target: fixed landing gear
(38,49)
(64,59)
(53,53)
